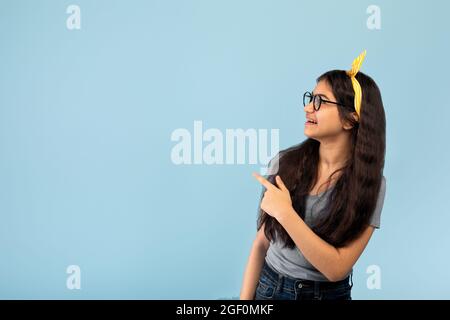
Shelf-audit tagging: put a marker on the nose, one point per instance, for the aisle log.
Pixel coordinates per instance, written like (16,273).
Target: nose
(309,108)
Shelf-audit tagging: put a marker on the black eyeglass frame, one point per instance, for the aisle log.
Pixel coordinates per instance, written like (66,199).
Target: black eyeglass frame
(311,98)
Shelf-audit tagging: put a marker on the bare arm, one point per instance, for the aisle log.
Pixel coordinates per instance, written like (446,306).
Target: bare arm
(254,265)
(333,262)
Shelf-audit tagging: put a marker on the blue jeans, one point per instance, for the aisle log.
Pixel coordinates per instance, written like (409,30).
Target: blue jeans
(275,286)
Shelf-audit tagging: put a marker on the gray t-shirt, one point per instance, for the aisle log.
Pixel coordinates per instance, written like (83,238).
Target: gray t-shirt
(291,262)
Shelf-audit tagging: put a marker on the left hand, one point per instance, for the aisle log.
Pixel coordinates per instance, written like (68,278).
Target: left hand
(277,200)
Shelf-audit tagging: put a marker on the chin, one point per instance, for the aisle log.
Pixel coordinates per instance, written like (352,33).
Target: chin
(311,136)
(308,133)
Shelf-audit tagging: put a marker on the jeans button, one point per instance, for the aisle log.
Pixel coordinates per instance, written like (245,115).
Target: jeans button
(300,285)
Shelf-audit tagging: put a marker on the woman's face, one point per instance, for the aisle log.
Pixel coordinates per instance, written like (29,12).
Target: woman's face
(328,121)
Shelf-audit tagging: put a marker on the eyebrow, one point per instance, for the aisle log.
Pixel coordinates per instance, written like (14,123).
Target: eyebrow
(321,94)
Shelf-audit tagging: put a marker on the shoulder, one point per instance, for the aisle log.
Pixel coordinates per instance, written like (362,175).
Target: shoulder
(274,163)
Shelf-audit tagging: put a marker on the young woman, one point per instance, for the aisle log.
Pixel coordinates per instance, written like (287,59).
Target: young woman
(319,210)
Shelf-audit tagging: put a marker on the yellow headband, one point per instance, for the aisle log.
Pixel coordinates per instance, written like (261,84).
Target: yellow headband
(356,65)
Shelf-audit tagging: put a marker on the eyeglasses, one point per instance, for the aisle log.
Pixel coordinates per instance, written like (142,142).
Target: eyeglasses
(308,97)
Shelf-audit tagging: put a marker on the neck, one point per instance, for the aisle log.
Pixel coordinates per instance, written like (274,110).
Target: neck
(334,153)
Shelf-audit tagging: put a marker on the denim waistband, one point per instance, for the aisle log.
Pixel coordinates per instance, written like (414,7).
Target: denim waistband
(290,282)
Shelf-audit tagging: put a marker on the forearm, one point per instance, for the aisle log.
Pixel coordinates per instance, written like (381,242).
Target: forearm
(323,256)
(252,272)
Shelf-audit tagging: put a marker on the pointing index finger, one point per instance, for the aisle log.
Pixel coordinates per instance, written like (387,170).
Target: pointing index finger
(263,181)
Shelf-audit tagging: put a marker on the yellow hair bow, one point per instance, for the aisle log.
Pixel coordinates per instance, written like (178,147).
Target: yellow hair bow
(356,65)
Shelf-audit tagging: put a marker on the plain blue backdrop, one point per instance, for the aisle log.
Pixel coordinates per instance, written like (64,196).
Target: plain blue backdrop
(86,117)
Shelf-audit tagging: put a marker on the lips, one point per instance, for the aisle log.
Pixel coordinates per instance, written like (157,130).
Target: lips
(310,121)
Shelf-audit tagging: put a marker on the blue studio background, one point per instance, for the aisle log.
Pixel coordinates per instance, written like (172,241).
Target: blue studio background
(86,118)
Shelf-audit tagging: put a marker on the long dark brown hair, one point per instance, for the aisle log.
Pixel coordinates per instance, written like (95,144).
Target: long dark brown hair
(353,198)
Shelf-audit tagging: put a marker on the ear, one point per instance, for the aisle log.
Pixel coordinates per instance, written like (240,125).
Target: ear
(348,125)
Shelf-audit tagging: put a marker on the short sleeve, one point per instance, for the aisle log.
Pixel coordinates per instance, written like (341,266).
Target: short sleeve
(376,216)
(274,163)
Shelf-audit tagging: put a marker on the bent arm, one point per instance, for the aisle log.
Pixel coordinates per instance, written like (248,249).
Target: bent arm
(334,263)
